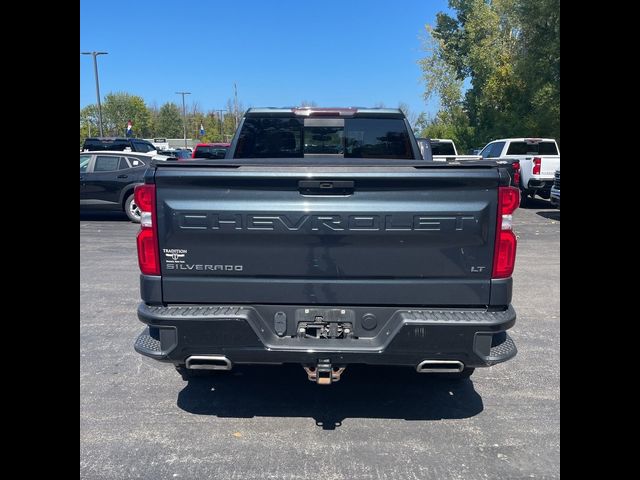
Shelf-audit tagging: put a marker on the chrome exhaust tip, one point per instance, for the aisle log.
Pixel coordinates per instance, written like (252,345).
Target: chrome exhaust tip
(208,362)
(440,366)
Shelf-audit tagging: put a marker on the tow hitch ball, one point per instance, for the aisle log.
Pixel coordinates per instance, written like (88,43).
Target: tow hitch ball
(324,373)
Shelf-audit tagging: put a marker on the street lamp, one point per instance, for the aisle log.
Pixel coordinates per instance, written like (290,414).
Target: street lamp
(184,117)
(95,69)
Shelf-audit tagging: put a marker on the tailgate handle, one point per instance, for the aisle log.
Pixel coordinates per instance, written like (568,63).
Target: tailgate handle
(325,187)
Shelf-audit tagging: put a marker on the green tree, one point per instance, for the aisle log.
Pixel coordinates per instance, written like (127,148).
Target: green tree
(442,81)
(212,127)
(154,111)
(497,48)
(539,66)
(229,125)
(88,123)
(193,124)
(195,116)
(118,108)
(169,121)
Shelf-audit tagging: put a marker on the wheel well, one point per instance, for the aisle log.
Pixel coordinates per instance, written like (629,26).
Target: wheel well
(127,192)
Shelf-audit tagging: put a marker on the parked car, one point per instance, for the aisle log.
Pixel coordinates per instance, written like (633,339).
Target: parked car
(210,150)
(539,159)
(443,150)
(118,144)
(555,190)
(108,179)
(179,153)
(326,260)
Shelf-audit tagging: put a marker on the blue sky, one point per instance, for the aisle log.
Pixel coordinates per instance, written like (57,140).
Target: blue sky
(333,52)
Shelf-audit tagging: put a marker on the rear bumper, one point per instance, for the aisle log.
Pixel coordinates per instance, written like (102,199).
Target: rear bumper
(540,183)
(247,335)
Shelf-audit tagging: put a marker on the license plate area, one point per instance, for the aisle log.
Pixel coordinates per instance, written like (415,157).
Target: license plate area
(324,323)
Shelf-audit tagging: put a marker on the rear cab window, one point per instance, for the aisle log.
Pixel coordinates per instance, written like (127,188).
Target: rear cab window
(270,137)
(207,151)
(532,148)
(273,137)
(442,148)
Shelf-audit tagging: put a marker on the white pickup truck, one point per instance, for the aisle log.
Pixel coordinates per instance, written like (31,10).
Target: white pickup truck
(539,159)
(443,150)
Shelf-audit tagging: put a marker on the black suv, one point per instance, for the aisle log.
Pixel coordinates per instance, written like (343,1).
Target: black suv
(107,180)
(117,144)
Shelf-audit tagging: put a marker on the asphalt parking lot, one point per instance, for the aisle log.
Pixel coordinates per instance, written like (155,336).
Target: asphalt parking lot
(139,419)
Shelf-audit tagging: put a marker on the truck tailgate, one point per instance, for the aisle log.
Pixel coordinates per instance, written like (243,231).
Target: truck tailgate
(327,235)
(548,165)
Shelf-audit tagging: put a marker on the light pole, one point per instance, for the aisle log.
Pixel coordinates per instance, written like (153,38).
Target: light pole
(184,117)
(95,69)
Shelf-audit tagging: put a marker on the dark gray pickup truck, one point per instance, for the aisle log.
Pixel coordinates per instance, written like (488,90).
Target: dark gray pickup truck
(324,239)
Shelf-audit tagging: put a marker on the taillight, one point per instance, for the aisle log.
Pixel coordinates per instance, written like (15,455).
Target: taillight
(516,172)
(148,258)
(537,161)
(193,154)
(504,257)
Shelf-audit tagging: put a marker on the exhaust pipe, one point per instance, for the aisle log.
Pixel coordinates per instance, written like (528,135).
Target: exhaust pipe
(440,366)
(208,362)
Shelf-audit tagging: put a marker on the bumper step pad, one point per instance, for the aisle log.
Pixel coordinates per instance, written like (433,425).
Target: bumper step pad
(502,352)
(149,346)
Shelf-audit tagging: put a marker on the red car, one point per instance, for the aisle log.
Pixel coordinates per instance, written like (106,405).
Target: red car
(210,150)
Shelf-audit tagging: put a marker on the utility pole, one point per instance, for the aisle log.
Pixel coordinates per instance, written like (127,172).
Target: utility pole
(235,103)
(95,70)
(184,117)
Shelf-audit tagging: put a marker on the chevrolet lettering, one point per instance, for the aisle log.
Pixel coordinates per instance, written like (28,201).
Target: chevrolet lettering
(325,222)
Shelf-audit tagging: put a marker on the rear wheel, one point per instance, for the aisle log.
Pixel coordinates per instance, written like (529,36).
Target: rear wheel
(131,209)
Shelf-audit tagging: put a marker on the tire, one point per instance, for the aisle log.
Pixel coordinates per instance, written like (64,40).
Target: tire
(131,209)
